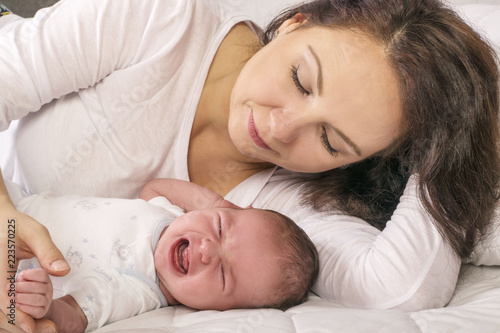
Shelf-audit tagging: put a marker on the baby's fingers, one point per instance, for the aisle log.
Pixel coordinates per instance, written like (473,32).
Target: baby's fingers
(35,288)
(36,312)
(36,305)
(35,275)
(33,292)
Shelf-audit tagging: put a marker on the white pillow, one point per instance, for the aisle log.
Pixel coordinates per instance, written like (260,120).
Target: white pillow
(483,15)
(485,19)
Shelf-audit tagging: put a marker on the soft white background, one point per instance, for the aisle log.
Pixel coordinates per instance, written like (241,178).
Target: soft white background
(263,10)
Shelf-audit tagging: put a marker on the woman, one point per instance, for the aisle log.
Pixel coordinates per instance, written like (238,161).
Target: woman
(348,97)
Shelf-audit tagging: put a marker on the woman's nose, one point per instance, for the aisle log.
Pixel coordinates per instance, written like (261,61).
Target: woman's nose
(285,124)
(208,251)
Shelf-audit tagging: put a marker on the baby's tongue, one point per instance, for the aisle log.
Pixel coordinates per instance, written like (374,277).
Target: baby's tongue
(184,260)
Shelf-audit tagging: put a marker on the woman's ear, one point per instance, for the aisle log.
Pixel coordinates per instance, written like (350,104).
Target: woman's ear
(291,24)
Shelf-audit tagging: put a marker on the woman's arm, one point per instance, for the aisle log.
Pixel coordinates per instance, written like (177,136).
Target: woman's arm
(22,237)
(407,266)
(189,196)
(65,48)
(32,239)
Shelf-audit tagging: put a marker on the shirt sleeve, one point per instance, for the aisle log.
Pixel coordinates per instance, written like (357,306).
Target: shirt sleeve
(407,266)
(67,47)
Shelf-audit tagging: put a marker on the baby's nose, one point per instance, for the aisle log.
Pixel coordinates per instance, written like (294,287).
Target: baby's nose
(208,251)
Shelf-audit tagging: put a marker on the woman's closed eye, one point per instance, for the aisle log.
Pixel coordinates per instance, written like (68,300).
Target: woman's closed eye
(295,77)
(324,135)
(326,143)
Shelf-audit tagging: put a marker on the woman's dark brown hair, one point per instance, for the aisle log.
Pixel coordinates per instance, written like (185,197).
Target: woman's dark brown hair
(448,78)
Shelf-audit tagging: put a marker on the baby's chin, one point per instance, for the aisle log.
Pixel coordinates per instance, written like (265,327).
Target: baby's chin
(171,300)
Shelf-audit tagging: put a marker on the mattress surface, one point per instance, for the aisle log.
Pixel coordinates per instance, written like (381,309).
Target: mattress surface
(475,307)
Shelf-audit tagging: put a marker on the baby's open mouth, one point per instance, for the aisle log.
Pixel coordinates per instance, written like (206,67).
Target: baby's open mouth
(183,256)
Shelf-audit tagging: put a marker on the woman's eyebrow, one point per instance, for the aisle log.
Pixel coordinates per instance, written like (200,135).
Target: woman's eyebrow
(319,81)
(349,142)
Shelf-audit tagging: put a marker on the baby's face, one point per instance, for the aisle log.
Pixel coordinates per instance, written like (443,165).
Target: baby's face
(220,258)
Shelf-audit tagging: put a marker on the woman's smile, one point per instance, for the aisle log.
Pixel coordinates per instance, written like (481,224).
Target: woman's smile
(254,133)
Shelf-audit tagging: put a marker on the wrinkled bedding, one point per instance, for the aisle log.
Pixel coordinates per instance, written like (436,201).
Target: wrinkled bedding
(474,307)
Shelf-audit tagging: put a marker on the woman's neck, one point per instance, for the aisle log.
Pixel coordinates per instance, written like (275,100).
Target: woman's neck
(213,160)
(239,45)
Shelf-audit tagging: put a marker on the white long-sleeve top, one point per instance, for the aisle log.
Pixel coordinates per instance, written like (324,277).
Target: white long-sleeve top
(107,92)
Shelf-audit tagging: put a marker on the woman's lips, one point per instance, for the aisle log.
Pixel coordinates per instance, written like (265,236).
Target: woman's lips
(254,134)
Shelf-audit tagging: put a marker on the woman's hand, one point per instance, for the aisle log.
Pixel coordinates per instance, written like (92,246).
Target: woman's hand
(24,323)
(26,238)
(22,237)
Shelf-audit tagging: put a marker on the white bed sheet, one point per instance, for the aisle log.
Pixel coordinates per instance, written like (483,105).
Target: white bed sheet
(475,306)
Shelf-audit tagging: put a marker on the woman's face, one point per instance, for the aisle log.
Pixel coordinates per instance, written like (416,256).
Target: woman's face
(315,99)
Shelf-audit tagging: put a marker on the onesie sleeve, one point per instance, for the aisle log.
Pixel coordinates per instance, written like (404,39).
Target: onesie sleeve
(67,47)
(407,266)
(106,296)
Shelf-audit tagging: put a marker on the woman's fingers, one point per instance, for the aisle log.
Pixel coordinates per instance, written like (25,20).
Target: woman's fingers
(25,322)
(34,240)
(7,326)
(45,326)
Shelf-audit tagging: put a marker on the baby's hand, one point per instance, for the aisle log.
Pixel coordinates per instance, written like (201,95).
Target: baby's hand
(34,292)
